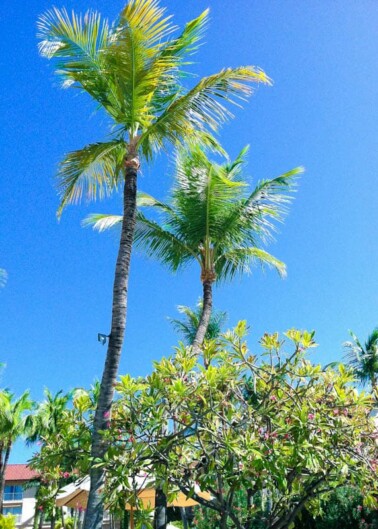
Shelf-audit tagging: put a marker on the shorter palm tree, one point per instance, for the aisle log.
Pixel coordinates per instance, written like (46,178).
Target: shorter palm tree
(212,218)
(12,426)
(363,358)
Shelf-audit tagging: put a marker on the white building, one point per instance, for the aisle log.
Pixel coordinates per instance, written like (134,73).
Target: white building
(19,499)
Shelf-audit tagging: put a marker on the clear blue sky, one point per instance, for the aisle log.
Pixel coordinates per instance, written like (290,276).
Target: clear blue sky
(322,112)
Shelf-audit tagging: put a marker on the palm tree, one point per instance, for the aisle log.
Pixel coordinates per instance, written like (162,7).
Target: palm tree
(45,421)
(12,426)
(363,358)
(212,219)
(134,71)
(188,325)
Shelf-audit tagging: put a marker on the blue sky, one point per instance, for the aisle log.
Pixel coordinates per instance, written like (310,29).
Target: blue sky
(321,112)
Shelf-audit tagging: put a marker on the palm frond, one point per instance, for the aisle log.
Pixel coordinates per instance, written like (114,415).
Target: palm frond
(77,45)
(93,171)
(201,109)
(146,200)
(363,359)
(240,260)
(201,196)
(372,341)
(188,42)
(253,217)
(102,222)
(161,243)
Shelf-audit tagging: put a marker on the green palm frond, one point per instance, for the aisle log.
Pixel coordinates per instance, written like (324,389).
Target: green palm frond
(372,341)
(77,44)
(188,42)
(76,38)
(146,200)
(200,108)
(102,222)
(253,217)
(161,243)
(240,260)
(363,359)
(13,414)
(94,171)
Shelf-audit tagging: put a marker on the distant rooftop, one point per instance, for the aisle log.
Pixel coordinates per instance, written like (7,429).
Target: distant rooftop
(19,473)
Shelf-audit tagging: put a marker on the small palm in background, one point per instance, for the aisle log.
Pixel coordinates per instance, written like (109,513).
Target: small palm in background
(188,325)
(363,358)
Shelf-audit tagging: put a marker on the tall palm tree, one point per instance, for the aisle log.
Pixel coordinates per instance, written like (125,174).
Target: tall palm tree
(133,69)
(213,219)
(363,358)
(12,426)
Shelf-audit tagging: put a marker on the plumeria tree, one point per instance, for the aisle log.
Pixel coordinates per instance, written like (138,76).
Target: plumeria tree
(61,426)
(134,71)
(263,435)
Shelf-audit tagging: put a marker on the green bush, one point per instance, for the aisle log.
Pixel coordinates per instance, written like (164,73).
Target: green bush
(68,523)
(7,522)
(343,510)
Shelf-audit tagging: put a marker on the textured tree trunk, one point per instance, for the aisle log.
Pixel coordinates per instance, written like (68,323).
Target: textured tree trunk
(95,509)
(160,515)
(205,316)
(184,518)
(3,467)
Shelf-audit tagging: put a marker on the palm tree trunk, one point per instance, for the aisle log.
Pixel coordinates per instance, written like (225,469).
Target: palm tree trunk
(205,316)
(2,474)
(95,509)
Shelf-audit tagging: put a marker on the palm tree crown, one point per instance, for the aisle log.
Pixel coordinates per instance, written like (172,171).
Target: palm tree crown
(363,358)
(212,218)
(134,70)
(12,426)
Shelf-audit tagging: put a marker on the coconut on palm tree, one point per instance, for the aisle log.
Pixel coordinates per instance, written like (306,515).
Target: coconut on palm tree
(213,219)
(133,69)
(12,426)
(363,358)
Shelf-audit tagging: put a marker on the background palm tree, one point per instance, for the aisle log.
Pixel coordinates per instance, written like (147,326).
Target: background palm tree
(12,426)
(213,219)
(187,326)
(45,421)
(363,358)
(133,70)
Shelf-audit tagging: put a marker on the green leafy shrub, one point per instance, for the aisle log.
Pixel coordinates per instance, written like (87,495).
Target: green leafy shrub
(343,509)
(68,523)
(7,522)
